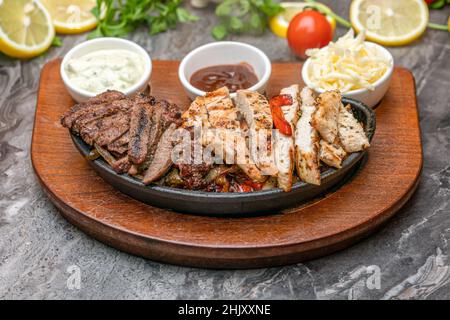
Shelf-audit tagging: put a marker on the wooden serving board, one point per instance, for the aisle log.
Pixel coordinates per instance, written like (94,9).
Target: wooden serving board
(376,192)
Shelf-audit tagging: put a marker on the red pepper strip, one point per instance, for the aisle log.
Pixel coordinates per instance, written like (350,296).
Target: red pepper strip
(244,188)
(277,113)
(254,185)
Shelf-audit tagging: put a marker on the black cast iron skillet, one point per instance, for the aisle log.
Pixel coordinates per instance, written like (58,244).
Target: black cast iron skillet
(212,203)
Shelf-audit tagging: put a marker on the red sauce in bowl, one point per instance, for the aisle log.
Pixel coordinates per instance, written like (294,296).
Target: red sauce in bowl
(233,76)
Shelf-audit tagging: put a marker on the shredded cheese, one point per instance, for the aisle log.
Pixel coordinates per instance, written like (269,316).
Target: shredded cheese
(347,64)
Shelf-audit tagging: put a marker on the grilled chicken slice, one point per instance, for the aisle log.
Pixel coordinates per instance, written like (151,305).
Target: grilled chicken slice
(222,117)
(256,111)
(307,141)
(162,161)
(325,119)
(331,154)
(291,112)
(221,129)
(284,145)
(351,132)
(196,115)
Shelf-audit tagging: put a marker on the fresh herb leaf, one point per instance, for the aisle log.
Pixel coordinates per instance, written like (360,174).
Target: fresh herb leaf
(118,18)
(57,42)
(219,32)
(256,22)
(95,34)
(223,9)
(244,16)
(236,24)
(184,15)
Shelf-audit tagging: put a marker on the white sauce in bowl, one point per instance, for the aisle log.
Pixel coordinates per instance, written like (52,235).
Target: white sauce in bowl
(102,70)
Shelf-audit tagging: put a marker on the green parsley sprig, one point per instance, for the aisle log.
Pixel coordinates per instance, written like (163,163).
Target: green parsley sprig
(117,18)
(244,16)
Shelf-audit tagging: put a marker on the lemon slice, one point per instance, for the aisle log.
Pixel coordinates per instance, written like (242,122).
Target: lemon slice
(71,16)
(390,23)
(280,22)
(26,28)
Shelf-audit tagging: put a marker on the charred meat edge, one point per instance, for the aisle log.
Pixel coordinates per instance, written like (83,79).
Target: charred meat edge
(139,133)
(162,160)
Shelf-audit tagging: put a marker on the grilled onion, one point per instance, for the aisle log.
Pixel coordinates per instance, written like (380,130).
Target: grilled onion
(93,155)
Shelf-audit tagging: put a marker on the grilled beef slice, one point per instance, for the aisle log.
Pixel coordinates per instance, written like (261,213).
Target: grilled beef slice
(132,132)
(80,109)
(156,131)
(162,160)
(105,110)
(171,113)
(92,130)
(163,115)
(144,98)
(114,132)
(120,146)
(140,123)
(122,165)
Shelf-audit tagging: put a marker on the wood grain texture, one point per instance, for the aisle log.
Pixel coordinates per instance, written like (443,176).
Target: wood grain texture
(384,184)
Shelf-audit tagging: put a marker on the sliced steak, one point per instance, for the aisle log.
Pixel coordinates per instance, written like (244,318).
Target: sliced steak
(140,123)
(114,132)
(162,160)
(171,113)
(122,165)
(124,105)
(108,96)
(156,131)
(120,145)
(163,115)
(130,133)
(144,98)
(91,131)
(96,102)
(105,154)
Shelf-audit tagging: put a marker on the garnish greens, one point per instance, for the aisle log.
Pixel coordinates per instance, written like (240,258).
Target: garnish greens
(117,18)
(244,16)
(57,42)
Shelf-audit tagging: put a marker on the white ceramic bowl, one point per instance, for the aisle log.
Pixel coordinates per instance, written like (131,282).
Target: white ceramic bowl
(224,52)
(368,97)
(81,95)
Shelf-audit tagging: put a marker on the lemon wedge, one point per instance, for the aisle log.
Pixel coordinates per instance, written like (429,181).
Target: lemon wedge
(71,16)
(280,22)
(26,28)
(390,23)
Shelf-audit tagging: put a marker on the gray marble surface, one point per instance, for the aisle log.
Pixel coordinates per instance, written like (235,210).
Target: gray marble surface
(38,247)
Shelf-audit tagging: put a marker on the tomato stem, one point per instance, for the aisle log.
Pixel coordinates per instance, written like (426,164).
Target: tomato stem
(436,26)
(330,13)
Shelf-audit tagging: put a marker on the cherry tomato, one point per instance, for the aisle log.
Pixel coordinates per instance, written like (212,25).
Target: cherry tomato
(309,29)
(277,114)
